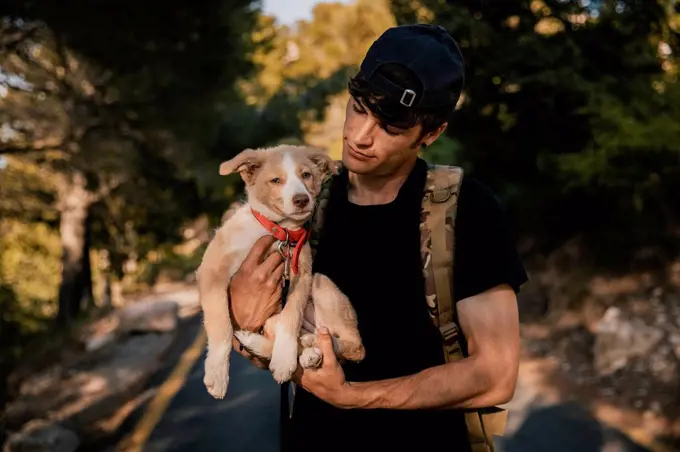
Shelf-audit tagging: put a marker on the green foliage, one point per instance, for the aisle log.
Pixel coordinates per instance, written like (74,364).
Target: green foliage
(171,265)
(444,151)
(303,71)
(26,192)
(572,114)
(29,265)
(107,115)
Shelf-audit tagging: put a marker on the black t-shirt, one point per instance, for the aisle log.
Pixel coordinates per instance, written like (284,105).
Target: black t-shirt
(373,254)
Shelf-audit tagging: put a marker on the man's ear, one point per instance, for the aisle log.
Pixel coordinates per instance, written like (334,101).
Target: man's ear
(432,136)
(247,163)
(323,161)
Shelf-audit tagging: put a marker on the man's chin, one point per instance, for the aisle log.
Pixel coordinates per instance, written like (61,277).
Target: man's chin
(356,166)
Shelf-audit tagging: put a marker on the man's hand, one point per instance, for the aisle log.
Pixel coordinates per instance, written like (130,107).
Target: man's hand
(255,289)
(328,382)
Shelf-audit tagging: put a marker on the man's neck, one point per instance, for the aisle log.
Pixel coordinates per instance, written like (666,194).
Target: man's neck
(369,190)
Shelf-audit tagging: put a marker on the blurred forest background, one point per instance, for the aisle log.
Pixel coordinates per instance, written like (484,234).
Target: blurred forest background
(114,117)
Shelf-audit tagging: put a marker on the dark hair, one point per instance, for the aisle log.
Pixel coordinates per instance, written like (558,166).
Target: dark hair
(390,111)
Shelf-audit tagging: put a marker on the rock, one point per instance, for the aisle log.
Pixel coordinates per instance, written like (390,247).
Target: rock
(94,389)
(616,441)
(37,383)
(100,333)
(99,341)
(619,337)
(42,436)
(533,303)
(663,365)
(108,386)
(674,340)
(149,316)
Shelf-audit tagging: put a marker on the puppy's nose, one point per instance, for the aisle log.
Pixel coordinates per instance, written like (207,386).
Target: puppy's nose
(300,200)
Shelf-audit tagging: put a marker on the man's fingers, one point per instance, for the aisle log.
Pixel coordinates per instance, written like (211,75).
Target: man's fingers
(271,263)
(325,342)
(258,250)
(277,274)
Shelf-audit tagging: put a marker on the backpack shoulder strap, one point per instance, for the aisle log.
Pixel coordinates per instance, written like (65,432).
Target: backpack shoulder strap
(438,215)
(437,234)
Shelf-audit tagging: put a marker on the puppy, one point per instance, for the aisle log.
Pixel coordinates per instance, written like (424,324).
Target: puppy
(282,183)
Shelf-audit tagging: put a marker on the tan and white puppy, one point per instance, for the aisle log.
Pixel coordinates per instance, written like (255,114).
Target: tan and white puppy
(282,183)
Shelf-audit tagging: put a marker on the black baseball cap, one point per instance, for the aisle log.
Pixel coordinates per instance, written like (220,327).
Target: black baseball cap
(429,52)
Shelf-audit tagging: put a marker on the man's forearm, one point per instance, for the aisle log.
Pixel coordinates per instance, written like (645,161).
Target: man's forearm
(461,385)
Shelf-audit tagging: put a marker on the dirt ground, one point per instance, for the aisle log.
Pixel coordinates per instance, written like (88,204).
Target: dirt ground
(557,366)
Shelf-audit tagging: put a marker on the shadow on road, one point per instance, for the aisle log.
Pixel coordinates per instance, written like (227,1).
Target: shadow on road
(246,420)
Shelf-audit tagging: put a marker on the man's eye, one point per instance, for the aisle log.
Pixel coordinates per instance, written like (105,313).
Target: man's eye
(393,132)
(357,109)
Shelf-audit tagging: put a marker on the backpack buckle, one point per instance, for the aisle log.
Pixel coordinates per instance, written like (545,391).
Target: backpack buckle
(441,195)
(449,332)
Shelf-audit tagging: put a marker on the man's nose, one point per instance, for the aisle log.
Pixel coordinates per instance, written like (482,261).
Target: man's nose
(300,200)
(364,132)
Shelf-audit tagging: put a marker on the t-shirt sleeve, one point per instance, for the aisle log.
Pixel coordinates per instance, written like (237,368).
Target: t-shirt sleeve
(485,251)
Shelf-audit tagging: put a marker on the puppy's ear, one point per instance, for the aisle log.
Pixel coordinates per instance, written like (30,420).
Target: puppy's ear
(246,162)
(323,161)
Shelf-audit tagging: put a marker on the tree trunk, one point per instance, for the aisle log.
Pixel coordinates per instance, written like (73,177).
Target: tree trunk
(74,203)
(86,274)
(106,300)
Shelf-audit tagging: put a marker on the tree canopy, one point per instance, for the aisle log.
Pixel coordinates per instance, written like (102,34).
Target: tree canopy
(571,112)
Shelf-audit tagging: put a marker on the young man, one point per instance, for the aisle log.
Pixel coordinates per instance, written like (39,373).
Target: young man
(402,396)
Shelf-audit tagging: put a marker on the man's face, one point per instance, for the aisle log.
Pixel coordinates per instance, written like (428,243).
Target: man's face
(367,148)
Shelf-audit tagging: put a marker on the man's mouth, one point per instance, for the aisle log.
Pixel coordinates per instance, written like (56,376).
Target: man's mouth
(358,155)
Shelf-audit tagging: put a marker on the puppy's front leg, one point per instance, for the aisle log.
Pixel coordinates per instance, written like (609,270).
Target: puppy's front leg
(285,352)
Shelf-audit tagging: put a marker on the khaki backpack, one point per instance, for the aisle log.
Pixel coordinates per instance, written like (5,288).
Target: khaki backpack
(437,223)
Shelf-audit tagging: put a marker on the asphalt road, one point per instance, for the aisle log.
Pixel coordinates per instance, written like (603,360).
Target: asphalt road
(247,419)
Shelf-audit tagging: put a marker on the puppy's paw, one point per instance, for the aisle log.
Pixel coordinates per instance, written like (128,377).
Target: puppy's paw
(256,344)
(311,358)
(216,377)
(284,358)
(308,340)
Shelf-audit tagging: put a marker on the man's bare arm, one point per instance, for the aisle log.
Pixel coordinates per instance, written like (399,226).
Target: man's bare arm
(487,377)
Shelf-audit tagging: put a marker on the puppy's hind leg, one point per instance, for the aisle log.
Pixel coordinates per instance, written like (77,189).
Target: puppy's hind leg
(333,310)
(261,346)
(258,344)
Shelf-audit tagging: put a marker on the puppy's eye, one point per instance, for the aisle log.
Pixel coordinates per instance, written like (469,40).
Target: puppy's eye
(276,180)
(306,175)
